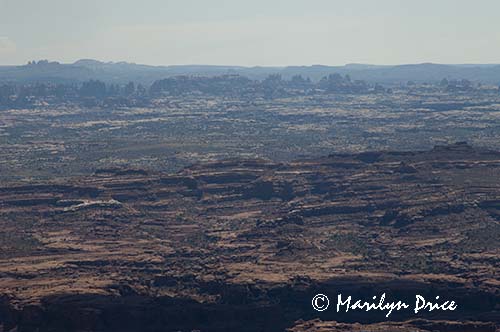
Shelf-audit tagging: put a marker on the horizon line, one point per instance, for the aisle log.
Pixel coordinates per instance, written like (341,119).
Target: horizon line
(259,66)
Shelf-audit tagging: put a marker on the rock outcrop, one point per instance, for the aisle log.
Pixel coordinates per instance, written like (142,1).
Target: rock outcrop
(245,244)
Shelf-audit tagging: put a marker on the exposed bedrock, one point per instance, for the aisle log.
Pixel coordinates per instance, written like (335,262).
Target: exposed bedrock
(244,245)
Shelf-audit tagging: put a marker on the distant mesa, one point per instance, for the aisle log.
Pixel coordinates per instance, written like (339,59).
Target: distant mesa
(122,72)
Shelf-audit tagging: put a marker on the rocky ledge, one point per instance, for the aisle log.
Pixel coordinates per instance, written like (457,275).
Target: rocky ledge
(245,244)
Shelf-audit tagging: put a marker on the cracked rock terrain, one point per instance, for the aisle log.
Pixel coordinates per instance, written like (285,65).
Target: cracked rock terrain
(244,244)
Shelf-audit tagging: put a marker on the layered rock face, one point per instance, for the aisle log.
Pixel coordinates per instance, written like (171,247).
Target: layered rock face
(243,245)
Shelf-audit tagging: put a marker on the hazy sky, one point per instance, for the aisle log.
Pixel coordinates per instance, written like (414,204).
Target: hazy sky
(251,32)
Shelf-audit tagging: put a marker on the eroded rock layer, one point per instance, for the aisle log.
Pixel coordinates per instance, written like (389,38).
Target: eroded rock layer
(245,244)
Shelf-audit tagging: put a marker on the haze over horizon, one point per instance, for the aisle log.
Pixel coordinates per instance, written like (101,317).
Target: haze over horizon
(350,64)
(261,33)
